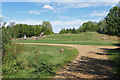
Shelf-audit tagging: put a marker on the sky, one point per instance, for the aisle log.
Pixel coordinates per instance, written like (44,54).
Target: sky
(59,14)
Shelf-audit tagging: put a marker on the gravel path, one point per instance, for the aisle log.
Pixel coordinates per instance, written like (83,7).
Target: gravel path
(92,62)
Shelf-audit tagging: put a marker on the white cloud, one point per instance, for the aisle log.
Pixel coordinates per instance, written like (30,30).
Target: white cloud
(27,21)
(48,7)
(113,5)
(63,6)
(34,12)
(96,13)
(43,10)
(87,4)
(58,25)
(1,16)
(67,24)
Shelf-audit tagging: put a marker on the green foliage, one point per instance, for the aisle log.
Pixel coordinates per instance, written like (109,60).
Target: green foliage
(62,31)
(12,62)
(6,38)
(5,35)
(88,27)
(48,25)
(72,31)
(19,30)
(114,55)
(35,61)
(46,31)
(102,27)
(113,22)
(110,25)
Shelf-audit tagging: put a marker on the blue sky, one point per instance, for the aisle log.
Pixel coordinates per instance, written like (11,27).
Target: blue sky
(59,14)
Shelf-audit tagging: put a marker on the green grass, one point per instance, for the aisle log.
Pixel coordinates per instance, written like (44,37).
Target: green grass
(37,61)
(114,55)
(89,38)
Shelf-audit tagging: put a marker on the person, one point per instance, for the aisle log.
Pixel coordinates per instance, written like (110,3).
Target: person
(61,50)
(25,37)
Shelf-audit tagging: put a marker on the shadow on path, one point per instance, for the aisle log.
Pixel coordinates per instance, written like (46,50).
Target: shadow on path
(115,57)
(88,66)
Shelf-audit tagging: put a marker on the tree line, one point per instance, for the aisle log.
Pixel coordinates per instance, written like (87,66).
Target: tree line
(72,31)
(110,25)
(19,30)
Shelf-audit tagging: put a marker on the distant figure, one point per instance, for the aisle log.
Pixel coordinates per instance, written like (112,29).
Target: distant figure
(25,37)
(61,50)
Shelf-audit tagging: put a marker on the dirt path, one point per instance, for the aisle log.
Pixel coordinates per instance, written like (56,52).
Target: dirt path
(92,62)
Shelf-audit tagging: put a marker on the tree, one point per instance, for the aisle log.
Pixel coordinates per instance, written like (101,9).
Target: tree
(62,31)
(48,25)
(46,31)
(113,21)
(73,31)
(88,26)
(102,26)
(6,38)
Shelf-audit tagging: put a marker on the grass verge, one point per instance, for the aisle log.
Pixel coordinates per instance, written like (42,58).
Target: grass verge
(114,55)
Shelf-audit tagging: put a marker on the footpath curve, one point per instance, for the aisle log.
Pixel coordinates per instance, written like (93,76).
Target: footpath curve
(92,62)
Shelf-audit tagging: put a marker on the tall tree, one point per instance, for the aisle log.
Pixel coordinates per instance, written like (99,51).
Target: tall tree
(73,31)
(62,31)
(48,25)
(113,21)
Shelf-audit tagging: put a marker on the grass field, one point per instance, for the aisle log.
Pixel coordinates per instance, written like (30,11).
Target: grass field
(114,55)
(89,38)
(42,61)
(37,61)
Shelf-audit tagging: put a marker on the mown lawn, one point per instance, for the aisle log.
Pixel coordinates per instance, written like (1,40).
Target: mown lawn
(89,38)
(36,61)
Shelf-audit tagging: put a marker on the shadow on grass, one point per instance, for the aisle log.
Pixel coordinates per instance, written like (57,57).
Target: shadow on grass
(117,44)
(114,55)
(102,54)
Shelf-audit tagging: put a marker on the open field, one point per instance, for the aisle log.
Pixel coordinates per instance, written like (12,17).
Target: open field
(89,38)
(38,61)
(40,54)
(91,63)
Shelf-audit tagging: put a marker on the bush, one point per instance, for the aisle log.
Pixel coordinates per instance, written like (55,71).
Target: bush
(12,63)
